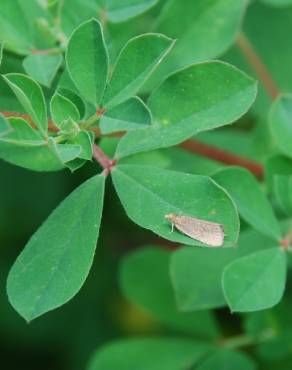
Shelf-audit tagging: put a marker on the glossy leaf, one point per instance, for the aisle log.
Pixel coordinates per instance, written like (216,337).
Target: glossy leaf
(252,204)
(199,98)
(213,24)
(228,360)
(87,61)
(137,60)
(42,68)
(125,9)
(30,95)
(153,263)
(255,282)
(196,277)
(166,354)
(130,115)
(49,271)
(149,193)
(281,125)
(62,109)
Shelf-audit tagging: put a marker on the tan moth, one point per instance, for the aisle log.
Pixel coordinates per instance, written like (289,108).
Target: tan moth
(207,232)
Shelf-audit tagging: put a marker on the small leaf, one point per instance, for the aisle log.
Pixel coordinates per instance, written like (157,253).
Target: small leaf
(283,192)
(130,115)
(226,359)
(149,193)
(255,282)
(4,125)
(198,98)
(137,60)
(196,275)
(56,261)
(84,140)
(62,109)
(147,353)
(125,9)
(87,61)
(31,96)
(252,204)
(153,263)
(280,122)
(23,146)
(42,68)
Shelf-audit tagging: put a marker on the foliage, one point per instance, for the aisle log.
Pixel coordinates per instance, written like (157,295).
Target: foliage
(136,87)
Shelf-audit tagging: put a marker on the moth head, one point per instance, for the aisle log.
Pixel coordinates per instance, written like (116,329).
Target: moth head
(170,216)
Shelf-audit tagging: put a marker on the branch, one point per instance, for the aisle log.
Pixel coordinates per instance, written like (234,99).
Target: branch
(259,67)
(106,163)
(192,146)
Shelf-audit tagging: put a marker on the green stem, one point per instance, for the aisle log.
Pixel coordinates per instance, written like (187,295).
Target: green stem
(247,340)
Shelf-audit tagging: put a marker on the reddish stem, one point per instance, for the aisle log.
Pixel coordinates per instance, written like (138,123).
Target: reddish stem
(259,67)
(106,163)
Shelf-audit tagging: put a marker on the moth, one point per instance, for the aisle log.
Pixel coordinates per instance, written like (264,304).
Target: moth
(207,232)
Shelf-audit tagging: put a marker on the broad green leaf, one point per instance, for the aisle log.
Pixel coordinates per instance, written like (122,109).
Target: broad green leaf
(87,61)
(226,359)
(281,125)
(252,204)
(85,141)
(56,261)
(283,192)
(123,10)
(1,52)
(18,25)
(30,95)
(149,193)
(148,354)
(74,98)
(278,3)
(145,268)
(4,125)
(255,282)
(23,146)
(199,98)
(196,277)
(62,109)
(214,25)
(42,68)
(137,60)
(130,115)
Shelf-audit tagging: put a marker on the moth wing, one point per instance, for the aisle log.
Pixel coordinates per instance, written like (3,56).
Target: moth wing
(210,233)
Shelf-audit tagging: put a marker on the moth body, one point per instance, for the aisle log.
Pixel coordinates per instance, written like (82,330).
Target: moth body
(207,232)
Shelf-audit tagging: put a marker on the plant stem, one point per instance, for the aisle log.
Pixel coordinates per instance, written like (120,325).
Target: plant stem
(106,163)
(257,64)
(247,340)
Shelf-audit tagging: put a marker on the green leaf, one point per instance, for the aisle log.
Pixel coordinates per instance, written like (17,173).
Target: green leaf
(153,263)
(252,204)
(75,164)
(42,68)
(123,10)
(276,165)
(4,125)
(1,52)
(196,276)
(214,25)
(148,193)
(226,359)
(283,192)
(131,115)
(62,109)
(87,61)
(149,354)
(255,282)
(280,122)
(278,3)
(56,261)
(137,60)
(199,98)
(31,96)
(85,141)
(23,146)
